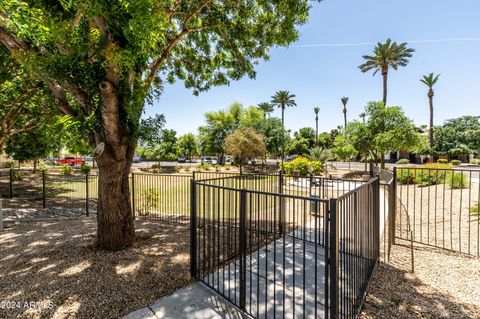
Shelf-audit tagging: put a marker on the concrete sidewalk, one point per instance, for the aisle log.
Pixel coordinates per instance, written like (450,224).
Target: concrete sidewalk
(192,302)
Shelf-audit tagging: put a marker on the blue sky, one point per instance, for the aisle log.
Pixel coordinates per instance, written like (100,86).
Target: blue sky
(321,75)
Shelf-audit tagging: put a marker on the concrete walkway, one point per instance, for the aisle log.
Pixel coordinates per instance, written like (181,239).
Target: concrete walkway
(192,302)
(273,289)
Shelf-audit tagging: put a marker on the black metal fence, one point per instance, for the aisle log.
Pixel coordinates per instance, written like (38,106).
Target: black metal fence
(439,207)
(282,255)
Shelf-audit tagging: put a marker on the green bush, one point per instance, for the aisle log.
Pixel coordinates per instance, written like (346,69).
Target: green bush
(475,161)
(205,166)
(7,165)
(475,210)
(148,200)
(455,162)
(85,169)
(156,166)
(17,175)
(301,166)
(66,169)
(442,161)
(403,161)
(405,176)
(178,168)
(457,180)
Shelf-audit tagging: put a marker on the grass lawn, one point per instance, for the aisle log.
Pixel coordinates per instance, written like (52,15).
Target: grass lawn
(56,264)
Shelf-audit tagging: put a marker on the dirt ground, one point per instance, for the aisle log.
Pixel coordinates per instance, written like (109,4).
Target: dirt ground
(55,268)
(443,285)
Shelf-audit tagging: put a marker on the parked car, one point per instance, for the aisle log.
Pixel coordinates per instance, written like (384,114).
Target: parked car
(136,159)
(70,160)
(209,160)
(182,159)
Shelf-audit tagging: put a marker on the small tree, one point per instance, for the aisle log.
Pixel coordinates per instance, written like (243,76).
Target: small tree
(33,144)
(187,145)
(245,143)
(386,129)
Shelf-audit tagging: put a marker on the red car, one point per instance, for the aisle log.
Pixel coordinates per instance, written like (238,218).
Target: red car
(72,161)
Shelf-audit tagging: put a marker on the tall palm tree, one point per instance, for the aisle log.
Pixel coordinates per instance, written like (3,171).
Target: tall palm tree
(363,115)
(344,102)
(316,110)
(266,107)
(430,80)
(386,55)
(283,99)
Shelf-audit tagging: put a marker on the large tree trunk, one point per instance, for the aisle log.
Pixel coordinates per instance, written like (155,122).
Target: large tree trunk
(316,130)
(116,229)
(385,78)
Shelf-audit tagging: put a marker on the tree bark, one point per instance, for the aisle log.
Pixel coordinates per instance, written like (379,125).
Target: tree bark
(316,130)
(116,229)
(385,78)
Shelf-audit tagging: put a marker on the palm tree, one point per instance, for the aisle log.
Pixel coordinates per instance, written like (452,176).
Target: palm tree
(266,107)
(283,99)
(316,110)
(386,55)
(344,102)
(363,116)
(430,80)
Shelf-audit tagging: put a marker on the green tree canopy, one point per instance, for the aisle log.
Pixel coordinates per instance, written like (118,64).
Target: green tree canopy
(459,136)
(109,58)
(244,144)
(187,145)
(386,129)
(25,102)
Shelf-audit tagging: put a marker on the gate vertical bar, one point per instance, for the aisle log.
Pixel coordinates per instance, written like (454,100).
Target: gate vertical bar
(44,195)
(193,230)
(11,183)
(282,206)
(394,210)
(243,249)
(87,195)
(133,195)
(334,261)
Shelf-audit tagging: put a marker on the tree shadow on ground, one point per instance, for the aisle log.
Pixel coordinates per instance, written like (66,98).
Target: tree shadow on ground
(57,262)
(396,292)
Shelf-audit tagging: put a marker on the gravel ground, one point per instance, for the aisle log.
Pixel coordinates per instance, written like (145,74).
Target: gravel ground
(54,263)
(443,285)
(440,216)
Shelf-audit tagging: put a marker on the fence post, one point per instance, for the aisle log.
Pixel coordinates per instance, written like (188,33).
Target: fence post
(87,195)
(133,195)
(282,206)
(193,229)
(11,183)
(243,248)
(44,195)
(333,260)
(193,174)
(394,204)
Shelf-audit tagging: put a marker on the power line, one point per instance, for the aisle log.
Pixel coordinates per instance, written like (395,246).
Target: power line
(374,43)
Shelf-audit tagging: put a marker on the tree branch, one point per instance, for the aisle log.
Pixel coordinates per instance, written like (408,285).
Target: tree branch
(168,48)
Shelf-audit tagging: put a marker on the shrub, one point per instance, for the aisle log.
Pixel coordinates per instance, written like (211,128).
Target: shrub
(66,169)
(317,167)
(148,199)
(205,166)
(227,168)
(217,168)
(455,162)
(42,169)
(187,168)
(17,175)
(178,168)
(156,166)
(457,180)
(85,169)
(405,176)
(442,161)
(475,210)
(475,161)
(431,175)
(403,161)
(301,166)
